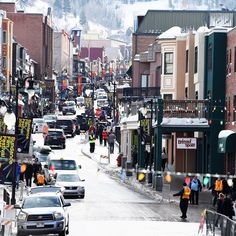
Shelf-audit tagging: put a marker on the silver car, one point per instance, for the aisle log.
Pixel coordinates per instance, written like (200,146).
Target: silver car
(73,185)
(43,213)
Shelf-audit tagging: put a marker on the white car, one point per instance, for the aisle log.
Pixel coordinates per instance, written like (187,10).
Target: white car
(59,165)
(71,183)
(38,125)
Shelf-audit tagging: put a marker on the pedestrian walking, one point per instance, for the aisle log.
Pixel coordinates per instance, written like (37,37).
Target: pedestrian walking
(111,141)
(226,190)
(105,136)
(37,167)
(227,208)
(184,194)
(219,207)
(164,159)
(92,140)
(100,130)
(196,187)
(29,174)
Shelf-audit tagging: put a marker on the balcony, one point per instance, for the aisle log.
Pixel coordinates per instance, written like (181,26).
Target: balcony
(140,92)
(185,108)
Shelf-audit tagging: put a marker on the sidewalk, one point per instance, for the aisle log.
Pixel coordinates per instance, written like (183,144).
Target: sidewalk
(110,166)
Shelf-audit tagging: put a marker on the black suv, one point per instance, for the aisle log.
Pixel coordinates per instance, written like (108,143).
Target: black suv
(55,137)
(67,124)
(82,122)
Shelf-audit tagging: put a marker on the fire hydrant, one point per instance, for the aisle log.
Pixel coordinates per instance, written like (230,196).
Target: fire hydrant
(118,159)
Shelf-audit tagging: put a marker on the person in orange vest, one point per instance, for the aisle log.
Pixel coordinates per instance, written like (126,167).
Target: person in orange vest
(217,188)
(184,194)
(40,179)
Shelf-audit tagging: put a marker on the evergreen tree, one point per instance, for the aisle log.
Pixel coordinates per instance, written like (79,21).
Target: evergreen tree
(57,8)
(83,19)
(67,6)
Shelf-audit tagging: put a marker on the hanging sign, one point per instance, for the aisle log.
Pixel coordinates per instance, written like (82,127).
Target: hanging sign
(3,127)
(24,134)
(186,143)
(7,148)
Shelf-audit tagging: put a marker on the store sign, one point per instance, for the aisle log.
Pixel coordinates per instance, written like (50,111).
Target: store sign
(23,135)
(3,127)
(186,143)
(7,148)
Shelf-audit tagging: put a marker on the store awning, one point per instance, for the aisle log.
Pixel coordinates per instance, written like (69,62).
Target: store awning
(226,141)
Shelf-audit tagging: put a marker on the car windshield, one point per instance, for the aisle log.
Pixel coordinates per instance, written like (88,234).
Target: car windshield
(68,178)
(41,201)
(42,157)
(38,121)
(63,165)
(54,133)
(70,103)
(50,117)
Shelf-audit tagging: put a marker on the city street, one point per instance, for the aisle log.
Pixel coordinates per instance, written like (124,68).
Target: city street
(111,208)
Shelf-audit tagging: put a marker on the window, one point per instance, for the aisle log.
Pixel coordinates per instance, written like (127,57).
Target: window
(234,108)
(186,92)
(144,81)
(195,59)
(4,62)
(209,57)
(167,97)
(186,62)
(235,59)
(168,63)
(4,37)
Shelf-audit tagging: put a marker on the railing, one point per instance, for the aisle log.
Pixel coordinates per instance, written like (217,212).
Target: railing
(186,108)
(141,92)
(218,224)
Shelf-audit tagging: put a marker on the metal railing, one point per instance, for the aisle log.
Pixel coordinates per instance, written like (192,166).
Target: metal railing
(141,92)
(186,108)
(218,224)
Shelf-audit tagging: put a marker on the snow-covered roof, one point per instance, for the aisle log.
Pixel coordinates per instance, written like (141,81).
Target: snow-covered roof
(202,122)
(171,33)
(225,133)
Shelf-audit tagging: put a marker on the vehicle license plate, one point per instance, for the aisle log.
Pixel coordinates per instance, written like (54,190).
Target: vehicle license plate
(40,225)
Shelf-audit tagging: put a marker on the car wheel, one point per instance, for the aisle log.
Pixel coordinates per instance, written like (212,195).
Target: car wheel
(63,113)
(67,228)
(73,135)
(63,233)
(63,146)
(82,196)
(19,234)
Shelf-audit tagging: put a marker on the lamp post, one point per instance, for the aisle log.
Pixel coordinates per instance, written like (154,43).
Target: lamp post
(114,101)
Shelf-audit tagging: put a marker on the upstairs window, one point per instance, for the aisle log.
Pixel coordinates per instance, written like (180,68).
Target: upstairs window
(186,62)
(195,59)
(209,57)
(168,63)
(4,37)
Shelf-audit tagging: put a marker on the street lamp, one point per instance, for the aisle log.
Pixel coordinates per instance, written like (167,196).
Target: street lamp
(114,83)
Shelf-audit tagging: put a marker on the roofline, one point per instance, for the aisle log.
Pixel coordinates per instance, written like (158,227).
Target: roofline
(209,11)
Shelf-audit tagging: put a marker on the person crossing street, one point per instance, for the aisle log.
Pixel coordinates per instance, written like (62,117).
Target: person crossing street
(184,194)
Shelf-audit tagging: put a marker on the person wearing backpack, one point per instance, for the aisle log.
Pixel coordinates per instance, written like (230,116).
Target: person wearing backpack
(196,187)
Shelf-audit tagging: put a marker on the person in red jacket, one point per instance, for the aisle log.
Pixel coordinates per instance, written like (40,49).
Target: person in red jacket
(105,136)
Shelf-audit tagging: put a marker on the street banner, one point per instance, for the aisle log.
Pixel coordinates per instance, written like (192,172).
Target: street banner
(7,147)
(24,134)
(186,143)
(3,127)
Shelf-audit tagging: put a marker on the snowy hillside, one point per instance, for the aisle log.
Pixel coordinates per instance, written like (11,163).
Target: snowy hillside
(107,15)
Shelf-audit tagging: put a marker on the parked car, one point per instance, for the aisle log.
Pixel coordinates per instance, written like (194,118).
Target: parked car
(38,125)
(55,137)
(69,107)
(67,124)
(43,158)
(43,213)
(72,184)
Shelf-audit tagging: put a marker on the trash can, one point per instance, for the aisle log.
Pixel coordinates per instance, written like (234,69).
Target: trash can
(158,183)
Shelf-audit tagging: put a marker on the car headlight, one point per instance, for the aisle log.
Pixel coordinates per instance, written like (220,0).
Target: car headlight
(22,216)
(58,215)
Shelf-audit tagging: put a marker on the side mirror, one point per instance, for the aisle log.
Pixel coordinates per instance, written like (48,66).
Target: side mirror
(17,206)
(79,167)
(67,204)
(83,180)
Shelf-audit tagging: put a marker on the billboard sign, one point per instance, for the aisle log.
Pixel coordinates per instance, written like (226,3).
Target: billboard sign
(186,143)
